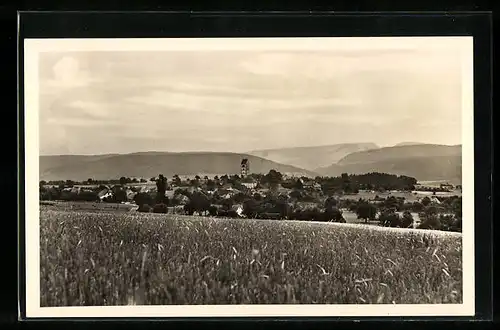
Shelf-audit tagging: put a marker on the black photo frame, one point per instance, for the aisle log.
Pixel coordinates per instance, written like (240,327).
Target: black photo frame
(94,24)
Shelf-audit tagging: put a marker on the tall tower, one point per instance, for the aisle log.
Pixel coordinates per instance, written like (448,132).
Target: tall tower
(245,167)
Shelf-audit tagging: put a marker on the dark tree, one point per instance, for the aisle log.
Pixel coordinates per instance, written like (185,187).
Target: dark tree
(273,178)
(407,220)
(227,204)
(123,180)
(143,199)
(199,202)
(119,196)
(330,203)
(425,201)
(430,221)
(389,218)
(333,214)
(366,211)
(177,180)
(88,196)
(282,208)
(212,210)
(456,207)
(189,209)
(431,210)
(257,197)
(417,207)
(250,207)
(161,187)
(298,184)
(211,185)
(296,194)
(224,179)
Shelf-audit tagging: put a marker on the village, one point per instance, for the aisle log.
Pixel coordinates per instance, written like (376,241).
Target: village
(376,198)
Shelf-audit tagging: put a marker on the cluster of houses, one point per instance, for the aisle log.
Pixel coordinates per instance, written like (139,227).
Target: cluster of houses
(248,186)
(435,187)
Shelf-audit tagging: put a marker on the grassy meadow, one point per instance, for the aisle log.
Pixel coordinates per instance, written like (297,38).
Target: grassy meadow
(100,258)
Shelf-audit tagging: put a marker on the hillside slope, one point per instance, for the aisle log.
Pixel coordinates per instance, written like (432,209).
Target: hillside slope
(311,158)
(422,168)
(409,143)
(401,152)
(149,164)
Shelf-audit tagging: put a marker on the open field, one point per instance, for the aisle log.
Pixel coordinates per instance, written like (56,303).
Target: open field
(110,258)
(87,206)
(408,196)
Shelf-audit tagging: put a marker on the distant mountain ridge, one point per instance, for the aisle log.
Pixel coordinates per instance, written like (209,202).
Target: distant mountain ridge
(425,162)
(312,157)
(150,164)
(422,161)
(407,144)
(401,152)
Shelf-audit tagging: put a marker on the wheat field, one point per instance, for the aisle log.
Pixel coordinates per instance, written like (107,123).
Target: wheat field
(108,258)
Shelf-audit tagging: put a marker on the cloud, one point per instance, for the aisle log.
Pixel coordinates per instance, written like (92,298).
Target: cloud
(247,100)
(66,75)
(242,106)
(328,65)
(89,108)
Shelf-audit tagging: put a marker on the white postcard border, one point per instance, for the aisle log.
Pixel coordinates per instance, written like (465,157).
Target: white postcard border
(32,47)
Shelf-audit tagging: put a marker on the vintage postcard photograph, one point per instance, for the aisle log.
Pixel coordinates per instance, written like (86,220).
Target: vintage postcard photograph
(249,177)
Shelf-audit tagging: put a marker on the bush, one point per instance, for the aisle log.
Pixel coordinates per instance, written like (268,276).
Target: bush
(430,221)
(160,208)
(232,214)
(406,220)
(390,219)
(212,210)
(143,198)
(144,208)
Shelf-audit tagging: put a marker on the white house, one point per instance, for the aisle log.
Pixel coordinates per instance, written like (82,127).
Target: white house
(249,185)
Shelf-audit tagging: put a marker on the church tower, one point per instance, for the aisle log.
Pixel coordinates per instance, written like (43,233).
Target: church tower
(245,167)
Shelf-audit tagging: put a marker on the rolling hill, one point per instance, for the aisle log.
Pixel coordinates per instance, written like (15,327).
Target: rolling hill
(149,164)
(401,152)
(311,158)
(423,162)
(407,144)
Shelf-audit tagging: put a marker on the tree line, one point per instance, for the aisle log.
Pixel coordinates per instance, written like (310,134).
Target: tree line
(319,193)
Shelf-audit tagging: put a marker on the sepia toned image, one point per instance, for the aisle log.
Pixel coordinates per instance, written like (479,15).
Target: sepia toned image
(250,176)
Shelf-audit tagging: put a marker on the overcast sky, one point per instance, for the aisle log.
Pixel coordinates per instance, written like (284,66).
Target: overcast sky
(119,102)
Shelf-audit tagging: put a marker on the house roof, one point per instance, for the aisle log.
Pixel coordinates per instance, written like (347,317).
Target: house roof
(169,193)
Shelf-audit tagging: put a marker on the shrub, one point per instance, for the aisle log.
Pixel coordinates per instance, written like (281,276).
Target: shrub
(232,214)
(390,219)
(406,220)
(160,208)
(144,208)
(431,221)
(212,210)
(143,198)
